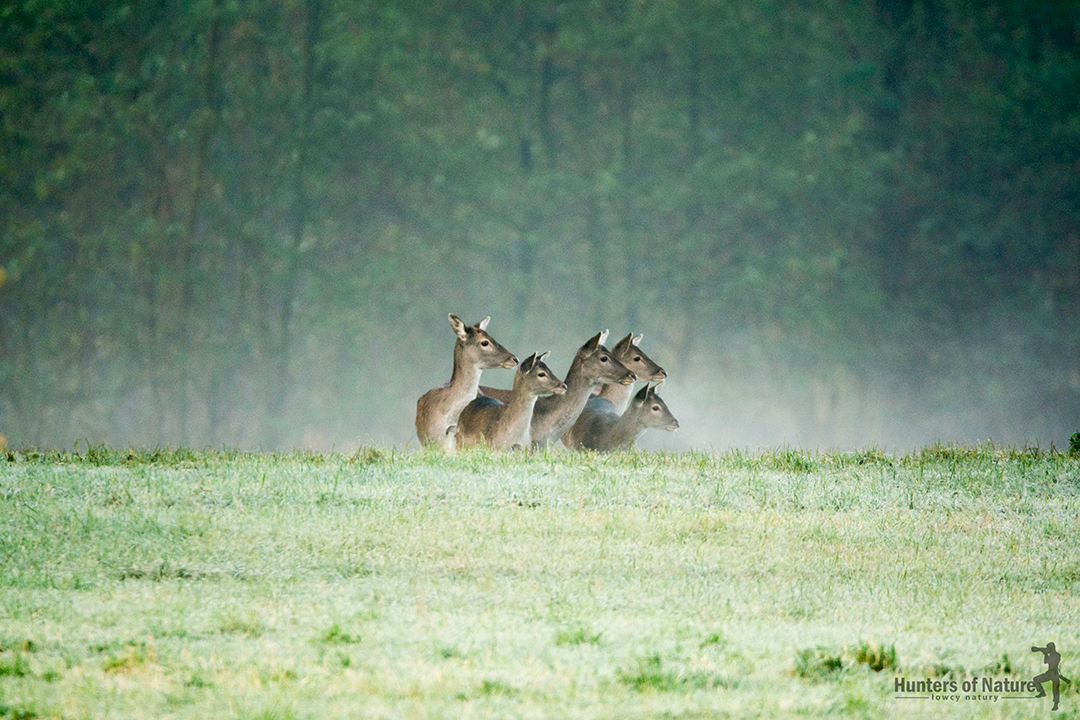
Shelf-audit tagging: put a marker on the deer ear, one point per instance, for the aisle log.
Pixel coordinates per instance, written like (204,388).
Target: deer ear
(458,326)
(656,388)
(603,337)
(643,393)
(527,363)
(637,339)
(540,358)
(482,325)
(625,343)
(593,342)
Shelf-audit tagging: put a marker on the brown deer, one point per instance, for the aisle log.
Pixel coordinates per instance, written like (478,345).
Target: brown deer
(612,397)
(593,365)
(606,431)
(637,362)
(437,410)
(505,425)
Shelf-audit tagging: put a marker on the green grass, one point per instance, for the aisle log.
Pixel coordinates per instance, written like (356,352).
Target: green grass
(176,583)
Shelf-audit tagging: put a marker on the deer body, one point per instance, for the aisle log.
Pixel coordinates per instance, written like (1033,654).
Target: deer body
(438,409)
(606,431)
(503,426)
(614,398)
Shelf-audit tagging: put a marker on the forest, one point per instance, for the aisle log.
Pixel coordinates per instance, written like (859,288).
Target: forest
(230,223)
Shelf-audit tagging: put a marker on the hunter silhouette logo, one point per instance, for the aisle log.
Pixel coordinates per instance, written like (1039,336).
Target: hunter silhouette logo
(1053,675)
(988,689)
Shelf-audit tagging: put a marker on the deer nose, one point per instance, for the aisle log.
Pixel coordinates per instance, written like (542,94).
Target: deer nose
(627,379)
(660,374)
(512,362)
(561,389)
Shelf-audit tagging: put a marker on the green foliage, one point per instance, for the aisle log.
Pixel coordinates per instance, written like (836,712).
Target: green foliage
(876,657)
(449,651)
(497,687)
(105,456)
(273,711)
(577,635)
(368,456)
(822,663)
(198,681)
(818,663)
(17,712)
(719,581)
(1002,666)
(648,675)
(14,664)
(793,460)
(17,644)
(163,570)
(247,624)
(241,225)
(129,657)
(334,635)
(711,639)
(1074,444)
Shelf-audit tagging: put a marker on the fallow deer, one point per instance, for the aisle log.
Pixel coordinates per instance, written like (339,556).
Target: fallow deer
(614,397)
(437,410)
(593,365)
(487,421)
(606,431)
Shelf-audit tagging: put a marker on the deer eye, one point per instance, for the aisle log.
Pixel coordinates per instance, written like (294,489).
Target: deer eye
(637,358)
(603,358)
(541,375)
(485,343)
(656,408)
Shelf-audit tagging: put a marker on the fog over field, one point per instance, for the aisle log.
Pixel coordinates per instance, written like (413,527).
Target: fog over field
(837,225)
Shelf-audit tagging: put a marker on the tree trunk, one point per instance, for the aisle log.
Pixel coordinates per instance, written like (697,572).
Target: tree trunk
(188,259)
(282,375)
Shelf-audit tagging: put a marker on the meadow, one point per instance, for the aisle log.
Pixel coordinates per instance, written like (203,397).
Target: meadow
(385,584)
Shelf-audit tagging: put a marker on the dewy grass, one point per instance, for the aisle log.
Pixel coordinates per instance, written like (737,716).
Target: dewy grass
(386,584)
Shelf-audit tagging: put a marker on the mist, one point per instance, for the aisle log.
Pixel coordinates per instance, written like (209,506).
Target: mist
(244,225)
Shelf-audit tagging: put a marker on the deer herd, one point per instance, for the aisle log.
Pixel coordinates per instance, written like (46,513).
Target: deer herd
(541,410)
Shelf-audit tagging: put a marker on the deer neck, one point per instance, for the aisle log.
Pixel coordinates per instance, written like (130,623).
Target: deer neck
(518,414)
(625,430)
(617,395)
(555,414)
(465,380)
(579,388)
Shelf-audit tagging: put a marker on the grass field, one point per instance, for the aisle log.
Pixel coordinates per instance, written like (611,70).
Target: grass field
(405,585)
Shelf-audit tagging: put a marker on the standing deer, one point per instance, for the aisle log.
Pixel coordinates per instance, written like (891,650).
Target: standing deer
(593,365)
(614,398)
(504,425)
(437,410)
(606,431)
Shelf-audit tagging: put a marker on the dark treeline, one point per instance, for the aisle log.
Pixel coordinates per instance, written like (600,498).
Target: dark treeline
(244,223)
